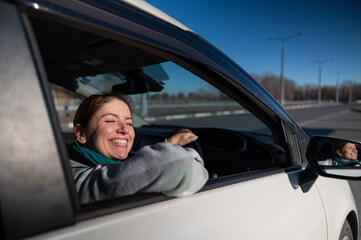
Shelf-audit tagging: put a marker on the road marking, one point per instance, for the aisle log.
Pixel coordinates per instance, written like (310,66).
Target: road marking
(195,115)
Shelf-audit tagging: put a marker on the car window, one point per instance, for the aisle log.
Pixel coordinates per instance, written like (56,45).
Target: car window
(303,142)
(292,142)
(165,97)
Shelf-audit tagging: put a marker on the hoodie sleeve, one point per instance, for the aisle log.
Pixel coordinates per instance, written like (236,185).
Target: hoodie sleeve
(161,168)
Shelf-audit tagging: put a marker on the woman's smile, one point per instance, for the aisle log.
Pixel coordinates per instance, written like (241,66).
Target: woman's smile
(121,142)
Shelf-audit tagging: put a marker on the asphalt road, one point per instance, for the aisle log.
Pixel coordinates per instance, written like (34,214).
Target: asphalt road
(342,121)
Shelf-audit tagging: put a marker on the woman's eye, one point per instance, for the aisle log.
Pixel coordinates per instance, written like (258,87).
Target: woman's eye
(130,124)
(109,121)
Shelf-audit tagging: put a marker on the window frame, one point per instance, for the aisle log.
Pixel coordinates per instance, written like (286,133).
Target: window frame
(206,73)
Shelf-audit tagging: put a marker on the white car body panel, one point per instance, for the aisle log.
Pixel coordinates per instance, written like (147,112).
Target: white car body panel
(338,200)
(347,172)
(243,209)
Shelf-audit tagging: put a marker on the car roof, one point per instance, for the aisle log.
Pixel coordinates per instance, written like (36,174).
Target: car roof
(146,7)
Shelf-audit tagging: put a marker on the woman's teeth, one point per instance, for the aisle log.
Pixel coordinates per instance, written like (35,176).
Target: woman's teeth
(120,141)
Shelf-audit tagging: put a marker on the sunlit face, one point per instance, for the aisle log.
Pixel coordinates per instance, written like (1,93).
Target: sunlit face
(111,131)
(349,152)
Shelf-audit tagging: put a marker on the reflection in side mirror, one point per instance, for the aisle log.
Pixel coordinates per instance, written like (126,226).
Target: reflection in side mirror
(335,157)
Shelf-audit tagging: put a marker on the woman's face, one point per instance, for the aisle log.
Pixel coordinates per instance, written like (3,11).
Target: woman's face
(349,152)
(110,131)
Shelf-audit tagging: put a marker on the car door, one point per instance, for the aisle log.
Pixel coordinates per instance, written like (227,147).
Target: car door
(256,202)
(34,194)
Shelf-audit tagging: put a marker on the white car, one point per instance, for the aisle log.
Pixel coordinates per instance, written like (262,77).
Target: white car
(54,53)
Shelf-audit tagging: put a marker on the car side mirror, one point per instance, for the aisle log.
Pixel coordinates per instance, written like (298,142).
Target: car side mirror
(335,157)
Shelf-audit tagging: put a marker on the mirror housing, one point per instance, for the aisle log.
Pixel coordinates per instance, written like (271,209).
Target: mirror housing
(137,82)
(334,157)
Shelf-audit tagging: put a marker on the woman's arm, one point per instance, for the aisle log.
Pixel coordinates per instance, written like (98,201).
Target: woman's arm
(160,168)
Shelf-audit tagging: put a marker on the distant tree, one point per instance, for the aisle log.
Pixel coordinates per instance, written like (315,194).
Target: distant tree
(299,93)
(271,83)
(160,96)
(328,93)
(290,89)
(310,92)
(356,91)
(193,96)
(350,91)
(181,96)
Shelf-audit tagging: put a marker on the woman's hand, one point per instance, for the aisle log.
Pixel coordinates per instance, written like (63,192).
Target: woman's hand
(182,137)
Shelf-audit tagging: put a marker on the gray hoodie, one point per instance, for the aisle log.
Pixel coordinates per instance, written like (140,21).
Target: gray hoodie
(161,168)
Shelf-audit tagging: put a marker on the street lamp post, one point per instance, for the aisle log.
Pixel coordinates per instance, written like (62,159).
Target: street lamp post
(338,84)
(282,81)
(319,77)
(350,93)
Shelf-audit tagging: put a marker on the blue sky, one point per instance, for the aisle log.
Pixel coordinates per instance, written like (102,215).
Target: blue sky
(330,29)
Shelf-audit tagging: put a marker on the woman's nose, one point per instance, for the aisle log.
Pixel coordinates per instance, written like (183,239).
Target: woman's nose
(123,128)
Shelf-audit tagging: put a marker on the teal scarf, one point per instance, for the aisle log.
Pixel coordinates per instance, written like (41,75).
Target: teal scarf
(340,162)
(94,157)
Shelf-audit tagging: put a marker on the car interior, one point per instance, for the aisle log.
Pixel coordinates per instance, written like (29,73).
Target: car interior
(80,63)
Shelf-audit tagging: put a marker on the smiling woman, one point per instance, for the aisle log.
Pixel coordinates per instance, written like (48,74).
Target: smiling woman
(103,127)
(347,154)
(104,123)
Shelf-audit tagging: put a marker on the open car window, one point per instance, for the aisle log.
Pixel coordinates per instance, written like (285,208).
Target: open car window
(165,97)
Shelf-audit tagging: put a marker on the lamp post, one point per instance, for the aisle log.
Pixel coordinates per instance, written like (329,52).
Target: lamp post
(282,81)
(337,84)
(319,76)
(350,93)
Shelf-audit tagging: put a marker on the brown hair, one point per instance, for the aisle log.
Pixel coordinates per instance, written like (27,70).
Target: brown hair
(92,104)
(340,145)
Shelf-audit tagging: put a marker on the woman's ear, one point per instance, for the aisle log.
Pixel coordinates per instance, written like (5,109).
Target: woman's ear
(80,134)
